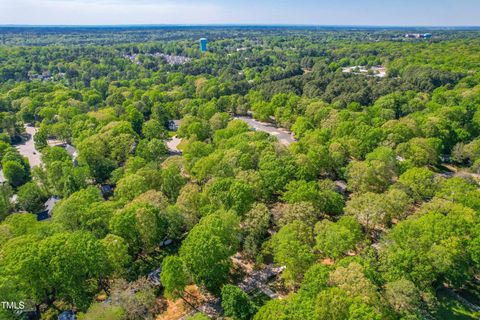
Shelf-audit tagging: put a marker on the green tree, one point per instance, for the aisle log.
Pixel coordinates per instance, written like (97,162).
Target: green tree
(335,239)
(236,303)
(275,309)
(64,266)
(172,181)
(93,154)
(6,193)
(151,150)
(420,151)
(275,172)
(31,197)
(153,129)
(137,298)
(419,182)
(142,225)
(189,202)
(15,173)
(198,316)
(369,209)
(333,304)
(461,191)
(130,186)
(428,248)
(324,200)
(292,248)
(174,277)
(301,211)
(23,224)
(369,176)
(79,212)
(255,227)
(117,253)
(314,281)
(194,127)
(207,249)
(353,281)
(229,193)
(102,311)
(219,120)
(403,296)
(301,126)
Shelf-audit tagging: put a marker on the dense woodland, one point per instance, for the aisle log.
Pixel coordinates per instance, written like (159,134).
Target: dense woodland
(374,213)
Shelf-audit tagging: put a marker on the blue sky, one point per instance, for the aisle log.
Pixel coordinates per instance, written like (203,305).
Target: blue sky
(311,12)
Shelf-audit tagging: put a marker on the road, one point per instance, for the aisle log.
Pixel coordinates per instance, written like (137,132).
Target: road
(283,136)
(27,149)
(172,145)
(458,172)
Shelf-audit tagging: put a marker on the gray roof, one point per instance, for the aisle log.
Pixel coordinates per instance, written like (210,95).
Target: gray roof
(154,277)
(51,203)
(67,315)
(71,150)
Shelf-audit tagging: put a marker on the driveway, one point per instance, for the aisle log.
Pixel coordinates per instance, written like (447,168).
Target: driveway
(172,145)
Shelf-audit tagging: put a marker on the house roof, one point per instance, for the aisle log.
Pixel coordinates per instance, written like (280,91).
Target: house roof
(154,277)
(176,122)
(51,203)
(43,216)
(67,315)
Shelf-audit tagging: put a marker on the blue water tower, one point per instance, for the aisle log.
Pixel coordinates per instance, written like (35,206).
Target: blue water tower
(203,44)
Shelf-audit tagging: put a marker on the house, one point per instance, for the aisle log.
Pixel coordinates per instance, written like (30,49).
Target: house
(154,277)
(107,191)
(418,35)
(49,205)
(42,216)
(174,124)
(259,279)
(166,243)
(67,315)
(71,150)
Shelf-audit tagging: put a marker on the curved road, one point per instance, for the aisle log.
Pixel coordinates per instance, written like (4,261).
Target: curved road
(284,137)
(27,148)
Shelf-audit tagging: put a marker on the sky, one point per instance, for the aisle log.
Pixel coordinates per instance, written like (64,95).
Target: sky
(193,12)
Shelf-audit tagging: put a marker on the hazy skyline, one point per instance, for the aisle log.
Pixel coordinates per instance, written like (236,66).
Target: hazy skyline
(309,12)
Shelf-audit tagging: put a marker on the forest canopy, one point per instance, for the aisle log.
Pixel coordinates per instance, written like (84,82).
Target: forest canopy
(286,173)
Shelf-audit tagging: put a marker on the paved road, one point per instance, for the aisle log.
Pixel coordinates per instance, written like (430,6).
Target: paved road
(27,149)
(172,145)
(283,136)
(458,172)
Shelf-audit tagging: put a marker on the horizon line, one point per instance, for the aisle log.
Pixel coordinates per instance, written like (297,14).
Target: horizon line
(20,25)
